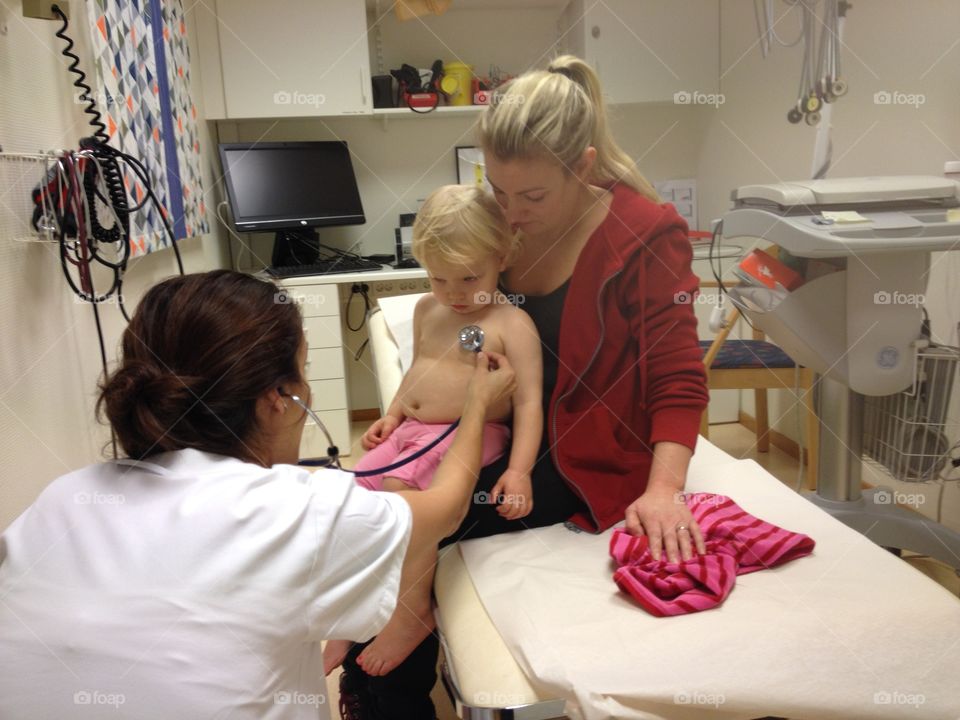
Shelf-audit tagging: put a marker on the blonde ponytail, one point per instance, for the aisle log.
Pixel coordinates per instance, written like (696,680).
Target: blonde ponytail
(558,113)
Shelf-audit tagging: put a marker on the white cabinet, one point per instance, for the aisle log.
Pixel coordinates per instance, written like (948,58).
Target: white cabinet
(648,50)
(311,58)
(320,306)
(298,58)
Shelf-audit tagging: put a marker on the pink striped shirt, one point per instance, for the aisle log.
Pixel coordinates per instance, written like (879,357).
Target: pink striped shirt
(737,543)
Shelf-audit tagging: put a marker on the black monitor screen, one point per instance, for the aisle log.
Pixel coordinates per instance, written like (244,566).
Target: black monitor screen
(292,184)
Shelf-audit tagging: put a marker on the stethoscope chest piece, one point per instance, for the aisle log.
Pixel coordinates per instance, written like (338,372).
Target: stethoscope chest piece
(471,338)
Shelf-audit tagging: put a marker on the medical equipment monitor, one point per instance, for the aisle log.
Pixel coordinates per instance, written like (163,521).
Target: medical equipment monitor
(287,185)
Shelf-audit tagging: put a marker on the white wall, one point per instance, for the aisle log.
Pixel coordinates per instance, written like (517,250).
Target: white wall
(50,362)
(888,45)
(399,163)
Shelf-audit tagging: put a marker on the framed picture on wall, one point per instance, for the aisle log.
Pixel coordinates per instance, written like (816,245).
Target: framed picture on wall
(470,167)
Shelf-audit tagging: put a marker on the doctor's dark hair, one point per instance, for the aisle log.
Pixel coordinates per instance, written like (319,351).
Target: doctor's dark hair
(557,114)
(197,354)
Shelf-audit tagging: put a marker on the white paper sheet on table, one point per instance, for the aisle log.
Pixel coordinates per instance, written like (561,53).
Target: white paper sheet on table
(398,314)
(849,632)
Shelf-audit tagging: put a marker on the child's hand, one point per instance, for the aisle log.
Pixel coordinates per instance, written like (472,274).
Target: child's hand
(517,491)
(379,431)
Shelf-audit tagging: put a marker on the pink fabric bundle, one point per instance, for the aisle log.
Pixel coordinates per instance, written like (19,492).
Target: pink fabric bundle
(737,543)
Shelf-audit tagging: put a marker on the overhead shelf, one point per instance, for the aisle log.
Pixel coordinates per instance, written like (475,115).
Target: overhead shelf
(442,110)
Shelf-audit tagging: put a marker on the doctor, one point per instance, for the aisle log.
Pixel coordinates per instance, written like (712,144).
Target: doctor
(197,577)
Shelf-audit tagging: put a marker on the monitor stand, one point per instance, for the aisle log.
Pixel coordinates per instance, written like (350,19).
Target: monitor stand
(300,246)
(874,512)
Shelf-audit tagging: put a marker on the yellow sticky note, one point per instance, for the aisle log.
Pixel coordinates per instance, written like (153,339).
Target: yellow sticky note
(953,215)
(844,216)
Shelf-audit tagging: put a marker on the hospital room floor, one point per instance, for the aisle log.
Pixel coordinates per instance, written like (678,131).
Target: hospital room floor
(732,438)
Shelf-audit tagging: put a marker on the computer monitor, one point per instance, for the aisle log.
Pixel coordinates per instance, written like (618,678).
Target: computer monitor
(289,185)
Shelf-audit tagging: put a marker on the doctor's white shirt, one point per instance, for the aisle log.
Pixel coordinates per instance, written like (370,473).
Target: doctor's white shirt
(191,585)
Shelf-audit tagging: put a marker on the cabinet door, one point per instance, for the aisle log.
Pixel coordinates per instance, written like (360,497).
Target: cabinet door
(653,50)
(295,58)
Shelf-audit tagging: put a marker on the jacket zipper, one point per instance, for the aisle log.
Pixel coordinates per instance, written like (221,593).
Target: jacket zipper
(596,351)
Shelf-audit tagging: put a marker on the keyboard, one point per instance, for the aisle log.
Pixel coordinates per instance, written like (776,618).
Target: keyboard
(326,267)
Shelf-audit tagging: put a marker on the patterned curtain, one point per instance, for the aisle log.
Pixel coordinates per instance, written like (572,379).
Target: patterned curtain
(143,65)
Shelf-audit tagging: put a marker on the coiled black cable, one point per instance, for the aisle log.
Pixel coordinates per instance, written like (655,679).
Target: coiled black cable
(106,169)
(81,80)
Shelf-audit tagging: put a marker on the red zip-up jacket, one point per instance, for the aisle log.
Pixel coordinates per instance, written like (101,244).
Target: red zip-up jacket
(630,370)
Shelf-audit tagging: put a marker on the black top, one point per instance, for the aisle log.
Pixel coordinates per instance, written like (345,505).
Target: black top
(545,311)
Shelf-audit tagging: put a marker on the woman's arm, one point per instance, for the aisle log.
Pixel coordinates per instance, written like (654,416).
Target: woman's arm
(439,510)
(661,509)
(662,287)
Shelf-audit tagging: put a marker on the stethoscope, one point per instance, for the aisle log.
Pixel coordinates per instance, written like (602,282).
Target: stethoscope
(470,339)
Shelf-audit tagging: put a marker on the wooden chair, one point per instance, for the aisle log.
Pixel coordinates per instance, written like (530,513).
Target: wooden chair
(758,365)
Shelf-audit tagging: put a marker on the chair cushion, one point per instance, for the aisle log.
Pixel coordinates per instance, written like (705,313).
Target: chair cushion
(748,354)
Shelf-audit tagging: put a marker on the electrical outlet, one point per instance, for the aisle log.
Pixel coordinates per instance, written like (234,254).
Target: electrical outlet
(40,9)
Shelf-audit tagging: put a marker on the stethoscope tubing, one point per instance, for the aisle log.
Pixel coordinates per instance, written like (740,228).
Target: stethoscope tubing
(471,339)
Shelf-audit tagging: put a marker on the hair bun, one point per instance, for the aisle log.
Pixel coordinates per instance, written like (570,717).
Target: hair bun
(138,390)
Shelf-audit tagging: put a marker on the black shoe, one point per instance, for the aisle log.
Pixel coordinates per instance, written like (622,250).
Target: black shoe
(351,700)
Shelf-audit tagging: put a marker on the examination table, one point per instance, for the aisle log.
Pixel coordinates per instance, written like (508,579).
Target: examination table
(533,626)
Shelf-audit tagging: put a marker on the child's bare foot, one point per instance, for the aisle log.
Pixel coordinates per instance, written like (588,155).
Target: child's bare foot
(333,654)
(398,639)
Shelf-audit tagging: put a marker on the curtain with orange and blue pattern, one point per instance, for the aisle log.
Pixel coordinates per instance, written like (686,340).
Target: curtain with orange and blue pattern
(143,64)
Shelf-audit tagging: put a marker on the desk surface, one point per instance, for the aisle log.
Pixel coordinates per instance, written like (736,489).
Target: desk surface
(388,273)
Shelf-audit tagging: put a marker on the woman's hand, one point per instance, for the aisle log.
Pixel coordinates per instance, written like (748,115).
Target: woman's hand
(662,515)
(379,431)
(493,379)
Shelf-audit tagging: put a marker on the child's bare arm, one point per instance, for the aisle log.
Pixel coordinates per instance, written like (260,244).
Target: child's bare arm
(522,348)
(525,355)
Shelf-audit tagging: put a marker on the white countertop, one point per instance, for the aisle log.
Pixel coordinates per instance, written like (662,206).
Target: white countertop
(369,276)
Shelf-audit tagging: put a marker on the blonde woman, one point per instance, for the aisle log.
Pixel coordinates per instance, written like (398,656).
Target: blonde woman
(604,269)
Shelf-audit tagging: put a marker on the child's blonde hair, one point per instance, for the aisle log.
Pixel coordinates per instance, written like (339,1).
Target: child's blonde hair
(558,113)
(460,224)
